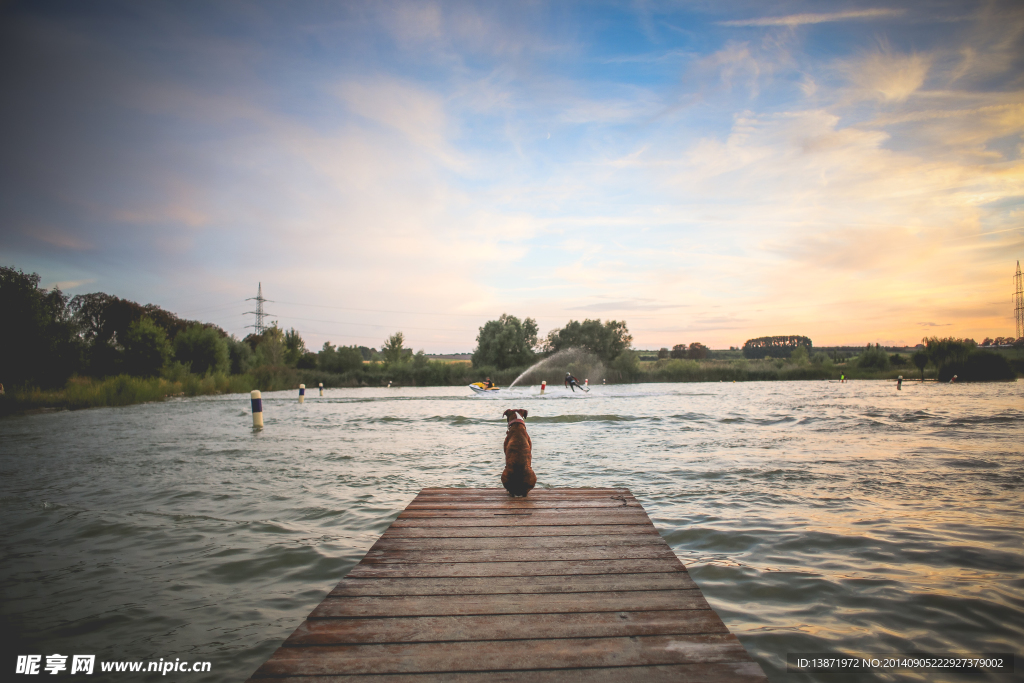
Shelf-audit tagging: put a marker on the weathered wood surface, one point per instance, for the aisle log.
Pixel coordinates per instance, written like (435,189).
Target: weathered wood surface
(470,586)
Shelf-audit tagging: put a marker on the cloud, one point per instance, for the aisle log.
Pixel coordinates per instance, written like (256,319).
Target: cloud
(888,76)
(811,18)
(59,238)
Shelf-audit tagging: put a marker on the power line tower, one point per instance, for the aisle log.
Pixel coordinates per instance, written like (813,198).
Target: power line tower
(259,312)
(1018,300)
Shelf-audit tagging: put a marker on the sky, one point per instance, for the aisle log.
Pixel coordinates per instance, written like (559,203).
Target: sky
(705,171)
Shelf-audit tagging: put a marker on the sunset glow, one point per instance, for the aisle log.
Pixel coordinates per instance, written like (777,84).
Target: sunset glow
(705,172)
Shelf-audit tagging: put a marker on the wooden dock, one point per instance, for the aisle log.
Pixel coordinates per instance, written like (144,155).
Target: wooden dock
(469,585)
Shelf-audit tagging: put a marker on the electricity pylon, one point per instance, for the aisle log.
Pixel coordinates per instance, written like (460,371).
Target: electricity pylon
(259,312)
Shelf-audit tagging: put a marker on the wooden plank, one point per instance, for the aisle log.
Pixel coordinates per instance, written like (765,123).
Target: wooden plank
(496,585)
(518,568)
(514,655)
(527,603)
(549,513)
(574,492)
(597,552)
(388,543)
(719,672)
(518,531)
(471,586)
(505,627)
(596,518)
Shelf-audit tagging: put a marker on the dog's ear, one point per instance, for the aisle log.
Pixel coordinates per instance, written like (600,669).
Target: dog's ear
(507,412)
(523,411)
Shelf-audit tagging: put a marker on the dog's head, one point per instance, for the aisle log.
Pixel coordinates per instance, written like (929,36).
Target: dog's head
(511,416)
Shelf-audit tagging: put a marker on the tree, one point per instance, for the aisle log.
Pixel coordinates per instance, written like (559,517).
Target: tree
(270,346)
(203,348)
(506,342)
(146,349)
(920,359)
(781,346)
(948,350)
(294,347)
(341,359)
(606,341)
(239,356)
(627,364)
(38,335)
(678,351)
(800,355)
(392,348)
(697,351)
(873,357)
(663,353)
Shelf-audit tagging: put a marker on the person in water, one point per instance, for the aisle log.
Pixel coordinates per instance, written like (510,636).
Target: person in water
(572,382)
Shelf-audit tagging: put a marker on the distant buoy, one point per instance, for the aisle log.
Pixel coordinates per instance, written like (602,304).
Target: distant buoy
(302,393)
(543,385)
(321,388)
(257,409)
(586,382)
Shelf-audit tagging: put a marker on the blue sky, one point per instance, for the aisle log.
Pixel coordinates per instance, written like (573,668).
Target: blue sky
(705,171)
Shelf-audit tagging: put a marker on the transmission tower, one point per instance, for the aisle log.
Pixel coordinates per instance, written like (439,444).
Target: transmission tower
(1018,300)
(259,312)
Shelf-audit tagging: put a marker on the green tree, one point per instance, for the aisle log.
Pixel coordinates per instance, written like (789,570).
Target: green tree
(294,347)
(697,351)
(38,336)
(781,346)
(506,342)
(240,356)
(341,359)
(203,348)
(392,348)
(270,347)
(678,351)
(606,341)
(948,350)
(873,357)
(800,356)
(627,364)
(920,359)
(146,349)
(663,353)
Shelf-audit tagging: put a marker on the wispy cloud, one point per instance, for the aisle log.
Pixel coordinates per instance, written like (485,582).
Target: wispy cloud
(814,18)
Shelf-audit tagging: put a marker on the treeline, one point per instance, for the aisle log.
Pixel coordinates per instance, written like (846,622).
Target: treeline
(98,349)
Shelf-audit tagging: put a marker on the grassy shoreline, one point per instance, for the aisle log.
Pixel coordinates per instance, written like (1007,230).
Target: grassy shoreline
(122,390)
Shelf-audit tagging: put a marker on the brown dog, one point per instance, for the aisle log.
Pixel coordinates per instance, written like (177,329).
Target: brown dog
(518,477)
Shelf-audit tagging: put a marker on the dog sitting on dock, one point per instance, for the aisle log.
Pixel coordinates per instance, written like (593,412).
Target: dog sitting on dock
(518,477)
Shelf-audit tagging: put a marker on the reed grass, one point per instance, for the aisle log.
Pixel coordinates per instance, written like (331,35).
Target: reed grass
(122,390)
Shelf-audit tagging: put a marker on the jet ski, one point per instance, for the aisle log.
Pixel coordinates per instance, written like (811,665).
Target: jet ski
(481,388)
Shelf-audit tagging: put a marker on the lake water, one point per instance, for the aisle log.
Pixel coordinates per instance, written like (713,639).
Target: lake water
(815,516)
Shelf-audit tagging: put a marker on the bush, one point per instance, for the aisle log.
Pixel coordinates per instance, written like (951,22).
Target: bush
(980,366)
(874,358)
(203,348)
(146,348)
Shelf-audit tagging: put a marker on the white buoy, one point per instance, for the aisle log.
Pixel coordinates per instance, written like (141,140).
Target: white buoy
(321,388)
(302,393)
(257,409)
(543,385)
